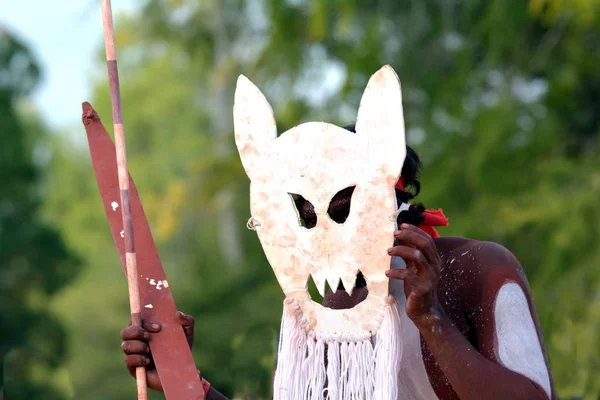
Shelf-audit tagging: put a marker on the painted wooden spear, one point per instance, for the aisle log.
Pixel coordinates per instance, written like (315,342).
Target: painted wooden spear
(117,115)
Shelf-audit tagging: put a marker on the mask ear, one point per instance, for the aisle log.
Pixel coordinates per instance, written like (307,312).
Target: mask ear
(380,123)
(254,125)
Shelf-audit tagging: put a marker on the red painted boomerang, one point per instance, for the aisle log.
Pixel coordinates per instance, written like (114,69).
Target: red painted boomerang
(170,350)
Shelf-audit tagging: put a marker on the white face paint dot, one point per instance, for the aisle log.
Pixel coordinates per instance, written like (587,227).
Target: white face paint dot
(149,306)
(114,205)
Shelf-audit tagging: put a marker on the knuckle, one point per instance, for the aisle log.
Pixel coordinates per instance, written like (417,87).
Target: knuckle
(395,274)
(126,333)
(420,289)
(431,244)
(428,286)
(416,278)
(422,242)
(148,325)
(141,333)
(130,361)
(135,360)
(417,255)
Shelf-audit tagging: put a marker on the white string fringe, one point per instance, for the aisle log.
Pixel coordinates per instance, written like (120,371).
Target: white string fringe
(337,366)
(388,353)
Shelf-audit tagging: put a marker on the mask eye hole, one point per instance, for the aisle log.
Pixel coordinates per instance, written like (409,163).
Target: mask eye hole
(305,211)
(339,207)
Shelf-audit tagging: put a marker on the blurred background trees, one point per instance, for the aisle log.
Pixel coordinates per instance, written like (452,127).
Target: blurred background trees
(35,263)
(502,101)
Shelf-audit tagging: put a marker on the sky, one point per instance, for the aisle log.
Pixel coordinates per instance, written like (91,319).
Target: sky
(66,36)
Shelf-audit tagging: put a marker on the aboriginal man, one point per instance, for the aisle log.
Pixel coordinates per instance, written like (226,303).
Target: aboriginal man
(469,326)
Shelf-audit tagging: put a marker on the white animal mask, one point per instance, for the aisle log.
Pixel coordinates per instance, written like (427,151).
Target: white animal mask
(316,160)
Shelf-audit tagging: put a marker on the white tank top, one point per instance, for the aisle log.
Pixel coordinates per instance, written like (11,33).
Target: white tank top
(413,380)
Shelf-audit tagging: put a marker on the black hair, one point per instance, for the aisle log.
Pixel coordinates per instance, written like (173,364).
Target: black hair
(410,173)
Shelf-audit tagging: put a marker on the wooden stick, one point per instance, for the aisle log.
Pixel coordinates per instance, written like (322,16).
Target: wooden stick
(115,98)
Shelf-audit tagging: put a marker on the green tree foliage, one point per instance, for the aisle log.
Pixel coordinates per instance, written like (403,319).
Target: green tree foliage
(34,260)
(500,101)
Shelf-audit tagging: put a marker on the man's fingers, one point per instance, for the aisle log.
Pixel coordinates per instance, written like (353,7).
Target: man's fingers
(187,322)
(425,244)
(135,332)
(418,284)
(403,274)
(136,360)
(409,254)
(135,347)
(184,319)
(151,326)
(415,229)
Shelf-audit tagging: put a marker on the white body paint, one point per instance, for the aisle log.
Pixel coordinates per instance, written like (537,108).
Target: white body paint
(114,205)
(413,380)
(149,306)
(518,343)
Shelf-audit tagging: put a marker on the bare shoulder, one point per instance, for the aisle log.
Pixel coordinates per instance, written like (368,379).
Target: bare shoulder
(457,252)
(471,268)
(484,289)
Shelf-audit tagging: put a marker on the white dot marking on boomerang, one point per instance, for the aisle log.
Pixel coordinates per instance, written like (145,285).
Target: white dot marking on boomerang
(159,284)
(518,342)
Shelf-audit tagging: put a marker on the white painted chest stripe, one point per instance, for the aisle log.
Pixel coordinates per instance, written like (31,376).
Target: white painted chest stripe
(518,344)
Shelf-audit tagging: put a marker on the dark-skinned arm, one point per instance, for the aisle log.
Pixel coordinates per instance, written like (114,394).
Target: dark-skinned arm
(471,374)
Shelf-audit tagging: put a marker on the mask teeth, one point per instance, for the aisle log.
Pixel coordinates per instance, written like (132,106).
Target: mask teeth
(334,281)
(349,282)
(319,281)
